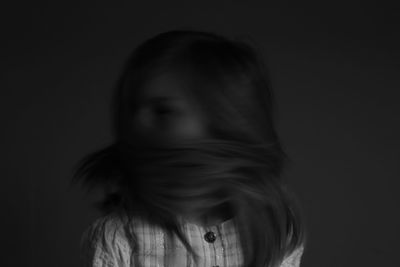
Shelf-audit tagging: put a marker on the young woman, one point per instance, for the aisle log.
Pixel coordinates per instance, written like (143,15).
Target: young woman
(194,173)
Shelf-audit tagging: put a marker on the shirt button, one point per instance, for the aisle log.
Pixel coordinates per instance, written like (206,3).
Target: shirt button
(210,237)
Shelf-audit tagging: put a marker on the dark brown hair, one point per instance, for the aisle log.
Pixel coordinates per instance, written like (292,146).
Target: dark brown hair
(239,166)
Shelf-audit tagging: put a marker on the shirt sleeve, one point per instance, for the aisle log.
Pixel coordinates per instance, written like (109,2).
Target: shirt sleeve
(104,244)
(294,259)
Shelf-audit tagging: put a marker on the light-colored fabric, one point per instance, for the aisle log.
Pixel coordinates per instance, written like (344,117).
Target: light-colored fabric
(155,249)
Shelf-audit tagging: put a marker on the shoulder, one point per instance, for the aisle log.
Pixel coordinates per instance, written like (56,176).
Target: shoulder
(107,227)
(293,258)
(104,240)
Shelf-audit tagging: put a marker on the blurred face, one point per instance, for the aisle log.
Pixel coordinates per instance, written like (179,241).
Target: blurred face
(166,113)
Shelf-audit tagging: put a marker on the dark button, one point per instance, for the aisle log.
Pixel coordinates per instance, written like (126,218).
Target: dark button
(210,237)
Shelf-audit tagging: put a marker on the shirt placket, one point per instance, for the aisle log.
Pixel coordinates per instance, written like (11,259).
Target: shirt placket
(213,237)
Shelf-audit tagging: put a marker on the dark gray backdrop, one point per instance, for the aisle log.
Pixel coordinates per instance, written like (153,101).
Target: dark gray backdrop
(335,70)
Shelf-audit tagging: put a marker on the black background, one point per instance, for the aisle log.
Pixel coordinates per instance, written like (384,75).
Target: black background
(335,70)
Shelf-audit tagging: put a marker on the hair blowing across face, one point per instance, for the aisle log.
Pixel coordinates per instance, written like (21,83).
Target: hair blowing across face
(239,165)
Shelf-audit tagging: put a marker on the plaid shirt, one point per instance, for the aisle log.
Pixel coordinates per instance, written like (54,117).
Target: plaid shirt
(156,250)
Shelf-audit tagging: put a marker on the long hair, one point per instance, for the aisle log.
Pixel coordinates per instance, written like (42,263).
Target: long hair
(238,167)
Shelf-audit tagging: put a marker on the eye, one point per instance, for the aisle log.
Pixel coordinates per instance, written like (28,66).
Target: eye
(164,110)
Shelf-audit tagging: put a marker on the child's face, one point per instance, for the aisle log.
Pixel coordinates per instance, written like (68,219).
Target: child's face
(166,113)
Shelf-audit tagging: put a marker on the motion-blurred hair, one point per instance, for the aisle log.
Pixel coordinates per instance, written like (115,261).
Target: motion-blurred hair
(239,167)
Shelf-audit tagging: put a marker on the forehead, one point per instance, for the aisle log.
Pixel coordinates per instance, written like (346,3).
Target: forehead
(168,86)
